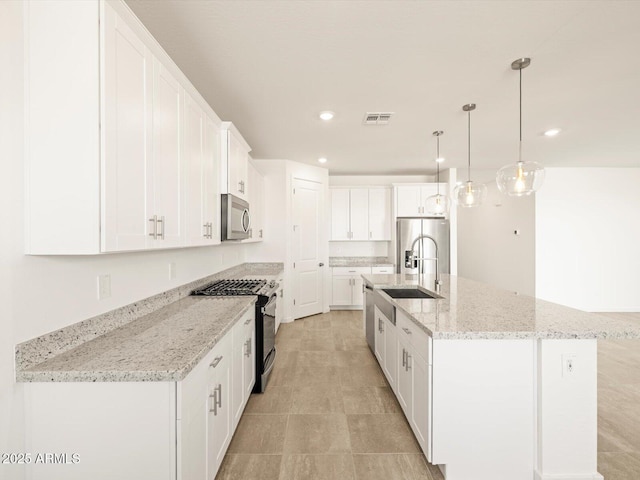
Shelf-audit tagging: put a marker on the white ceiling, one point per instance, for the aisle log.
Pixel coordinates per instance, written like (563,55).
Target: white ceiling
(271,66)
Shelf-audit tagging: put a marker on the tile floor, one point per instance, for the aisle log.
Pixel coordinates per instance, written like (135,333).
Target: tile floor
(328,412)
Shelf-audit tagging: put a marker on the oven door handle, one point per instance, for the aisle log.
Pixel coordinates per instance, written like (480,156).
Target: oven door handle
(271,301)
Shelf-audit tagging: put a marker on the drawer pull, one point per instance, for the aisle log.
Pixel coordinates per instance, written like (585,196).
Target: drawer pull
(215,362)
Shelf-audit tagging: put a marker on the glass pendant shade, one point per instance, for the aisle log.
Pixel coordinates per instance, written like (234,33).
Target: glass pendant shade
(470,194)
(520,179)
(437,205)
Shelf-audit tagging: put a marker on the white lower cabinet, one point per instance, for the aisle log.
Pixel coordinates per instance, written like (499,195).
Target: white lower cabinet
(386,347)
(346,285)
(243,366)
(404,353)
(134,430)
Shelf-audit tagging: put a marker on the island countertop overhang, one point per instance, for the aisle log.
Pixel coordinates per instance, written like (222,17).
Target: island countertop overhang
(474,310)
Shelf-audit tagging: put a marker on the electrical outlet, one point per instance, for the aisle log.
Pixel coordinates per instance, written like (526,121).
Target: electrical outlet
(568,365)
(172,271)
(104,286)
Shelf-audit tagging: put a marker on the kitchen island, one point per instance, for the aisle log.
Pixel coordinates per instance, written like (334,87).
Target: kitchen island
(495,385)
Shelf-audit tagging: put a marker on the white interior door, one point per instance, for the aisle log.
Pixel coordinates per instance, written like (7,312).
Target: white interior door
(307,250)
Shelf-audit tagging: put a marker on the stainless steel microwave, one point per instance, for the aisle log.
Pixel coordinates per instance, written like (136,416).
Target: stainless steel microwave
(236,219)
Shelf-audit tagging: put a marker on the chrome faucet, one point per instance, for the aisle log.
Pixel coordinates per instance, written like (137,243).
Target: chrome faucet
(411,259)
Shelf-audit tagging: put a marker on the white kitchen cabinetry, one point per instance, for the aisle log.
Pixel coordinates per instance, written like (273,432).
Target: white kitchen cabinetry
(404,352)
(410,199)
(202,164)
(110,173)
(164,192)
(244,346)
(256,204)
(185,426)
(347,286)
(380,213)
(414,379)
(386,347)
(360,214)
(235,162)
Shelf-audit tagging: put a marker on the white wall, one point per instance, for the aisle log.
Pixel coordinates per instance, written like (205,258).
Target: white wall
(44,293)
(488,250)
(588,238)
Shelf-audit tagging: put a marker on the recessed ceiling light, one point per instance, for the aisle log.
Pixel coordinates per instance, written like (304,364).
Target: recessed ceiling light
(326,116)
(552,132)
(440,159)
(322,160)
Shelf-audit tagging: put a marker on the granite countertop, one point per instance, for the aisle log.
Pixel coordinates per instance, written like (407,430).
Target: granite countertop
(160,338)
(358,261)
(162,346)
(474,310)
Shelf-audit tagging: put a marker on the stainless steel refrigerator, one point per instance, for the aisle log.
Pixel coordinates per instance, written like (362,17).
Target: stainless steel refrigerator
(411,234)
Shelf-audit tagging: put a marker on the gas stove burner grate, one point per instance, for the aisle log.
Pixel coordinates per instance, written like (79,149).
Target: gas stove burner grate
(231,288)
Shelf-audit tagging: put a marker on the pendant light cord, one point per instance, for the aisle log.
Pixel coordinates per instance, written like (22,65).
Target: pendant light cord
(520,144)
(438,164)
(469,145)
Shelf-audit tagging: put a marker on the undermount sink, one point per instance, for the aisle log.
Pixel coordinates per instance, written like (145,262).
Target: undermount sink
(406,293)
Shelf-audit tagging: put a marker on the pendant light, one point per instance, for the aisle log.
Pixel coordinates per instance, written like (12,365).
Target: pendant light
(470,194)
(521,178)
(437,205)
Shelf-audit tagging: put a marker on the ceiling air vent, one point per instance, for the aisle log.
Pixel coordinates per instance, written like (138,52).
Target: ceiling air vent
(377,118)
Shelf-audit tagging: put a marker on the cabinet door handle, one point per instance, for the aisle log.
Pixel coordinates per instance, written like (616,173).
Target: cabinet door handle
(403,357)
(206,230)
(408,367)
(370,234)
(216,361)
(154,234)
(162,222)
(260,233)
(210,230)
(214,410)
(247,350)
(219,397)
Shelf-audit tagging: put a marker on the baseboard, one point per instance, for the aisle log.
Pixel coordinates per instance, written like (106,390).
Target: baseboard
(567,476)
(345,307)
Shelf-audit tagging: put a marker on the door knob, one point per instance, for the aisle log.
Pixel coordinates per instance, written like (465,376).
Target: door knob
(321,264)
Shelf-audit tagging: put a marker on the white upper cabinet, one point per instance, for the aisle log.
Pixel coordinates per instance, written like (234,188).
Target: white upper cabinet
(127,138)
(340,217)
(201,164)
(256,204)
(410,199)
(360,213)
(164,192)
(235,162)
(122,152)
(380,213)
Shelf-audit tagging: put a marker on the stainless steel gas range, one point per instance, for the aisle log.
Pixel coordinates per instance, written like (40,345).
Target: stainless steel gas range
(265,319)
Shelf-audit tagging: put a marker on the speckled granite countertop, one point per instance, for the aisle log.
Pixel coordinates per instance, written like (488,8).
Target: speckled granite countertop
(474,310)
(358,261)
(162,346)
(160,338)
